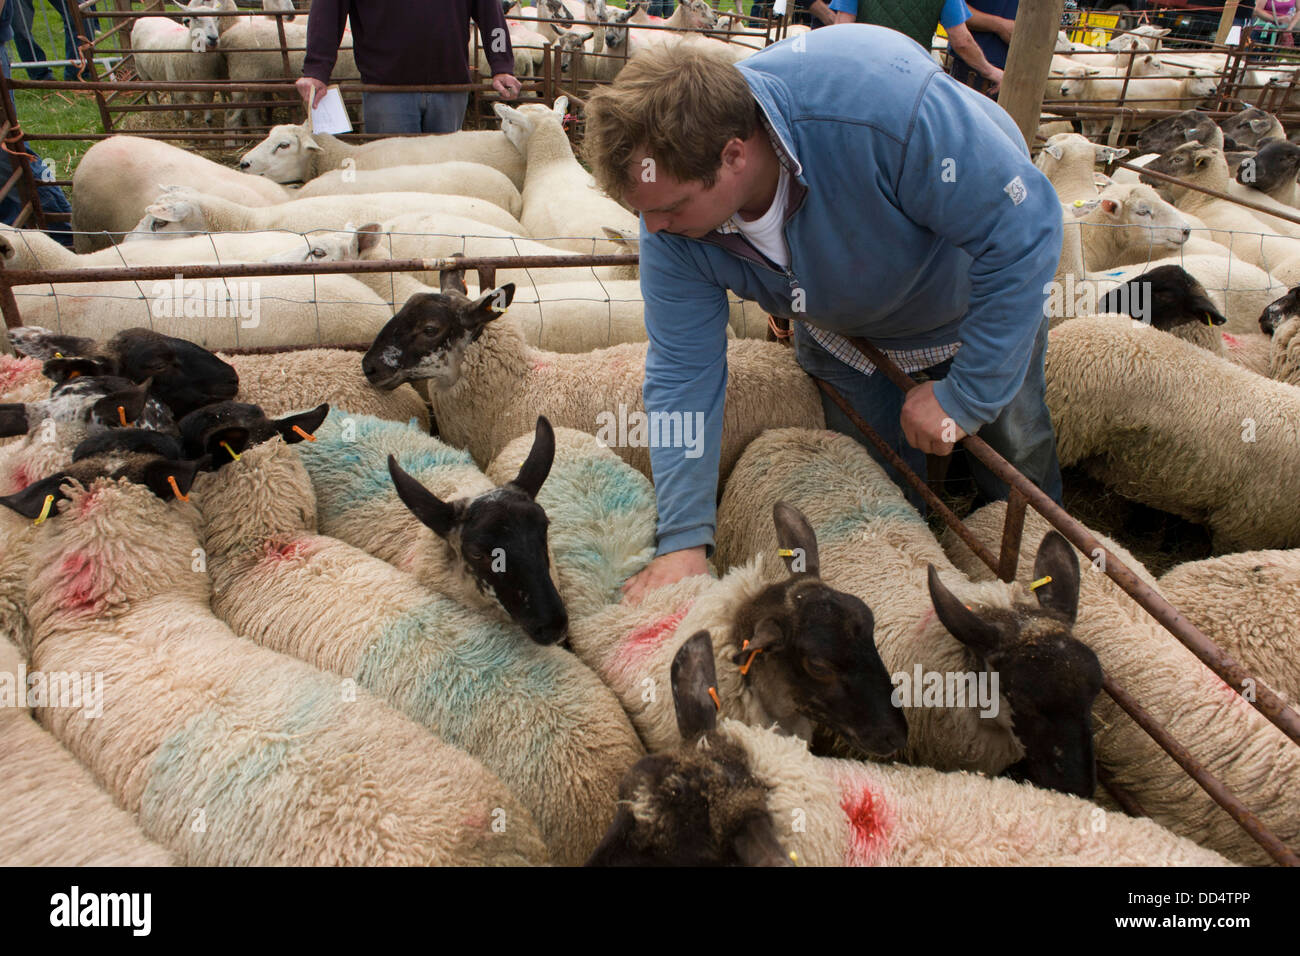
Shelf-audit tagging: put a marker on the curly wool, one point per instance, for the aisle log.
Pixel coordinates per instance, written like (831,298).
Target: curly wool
(1248,604)
(1162,422)
(278,761)
(505,384)
(293,381)
(846,813)
(1232,740)
(537,718)
(54,814)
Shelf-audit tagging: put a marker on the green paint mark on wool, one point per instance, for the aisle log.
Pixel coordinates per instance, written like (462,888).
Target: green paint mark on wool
(594,487)
(479,684)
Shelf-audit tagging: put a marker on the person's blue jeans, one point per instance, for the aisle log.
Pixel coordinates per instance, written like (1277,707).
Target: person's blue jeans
(661,8)
(414,112)
(30,51)
(1022,434)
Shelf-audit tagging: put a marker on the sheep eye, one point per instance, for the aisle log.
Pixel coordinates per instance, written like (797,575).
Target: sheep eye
(817,670)
(1144,212)
(318,253)
(280,146)
(155,225)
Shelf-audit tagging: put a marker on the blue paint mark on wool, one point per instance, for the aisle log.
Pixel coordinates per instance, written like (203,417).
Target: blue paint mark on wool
(469,680)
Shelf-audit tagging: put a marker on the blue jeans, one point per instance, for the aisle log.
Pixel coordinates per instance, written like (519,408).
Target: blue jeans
(1022,434)
(661,8)
(30,51)
(414,112)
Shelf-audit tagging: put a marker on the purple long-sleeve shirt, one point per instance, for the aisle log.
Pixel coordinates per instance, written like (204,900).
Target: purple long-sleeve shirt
(406,42)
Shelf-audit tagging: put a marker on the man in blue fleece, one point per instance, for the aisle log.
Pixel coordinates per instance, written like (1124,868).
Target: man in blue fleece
(842,180)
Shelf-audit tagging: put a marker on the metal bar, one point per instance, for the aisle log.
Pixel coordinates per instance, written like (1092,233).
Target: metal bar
(1224,665)
(933,500)
(1174,180)
(1208,782)
(236,270)
(21,159)
(1012,530)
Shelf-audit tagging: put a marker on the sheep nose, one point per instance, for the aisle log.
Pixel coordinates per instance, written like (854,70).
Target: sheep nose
(1187,233)
(244,164)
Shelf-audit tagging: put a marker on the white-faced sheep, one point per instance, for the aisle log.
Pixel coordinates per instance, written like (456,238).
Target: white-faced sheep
(1067,160)
(118,177)
(874,545)
(761,799)
(533,715)
(293,154)
(425,507)
(1153,91)
(474,180)
(173,52)
(488,385)
(561,206)
(1129,404)
(54,812)
(180,211)
(285,764)
(1226,734)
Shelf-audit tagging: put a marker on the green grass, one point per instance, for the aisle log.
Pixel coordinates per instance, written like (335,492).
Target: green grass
(52,111)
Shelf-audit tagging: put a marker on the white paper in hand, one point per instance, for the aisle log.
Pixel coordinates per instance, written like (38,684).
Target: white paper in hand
(1234,36)
(330,115)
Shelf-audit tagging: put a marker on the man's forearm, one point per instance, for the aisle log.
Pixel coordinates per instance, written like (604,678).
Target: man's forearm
(988,23)
(842,17)
(963,44)
(822,11)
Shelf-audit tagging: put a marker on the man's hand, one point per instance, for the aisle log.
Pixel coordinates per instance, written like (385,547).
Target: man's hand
(926,426)
(995,77)
(664,570)
(506,85)
(311,90)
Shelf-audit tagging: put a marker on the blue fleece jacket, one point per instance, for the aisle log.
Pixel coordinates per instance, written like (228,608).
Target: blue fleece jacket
(915,219)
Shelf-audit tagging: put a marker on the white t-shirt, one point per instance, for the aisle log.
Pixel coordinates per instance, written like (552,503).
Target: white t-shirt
(765,231)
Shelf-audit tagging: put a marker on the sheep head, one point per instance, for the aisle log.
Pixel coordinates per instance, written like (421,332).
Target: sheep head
(222,431)
(1191,161)
(183,376)
(1166,297)
(429,335)
(699,805)
(177,212)
(142,457)
(1138,209)
(1280,311)
(1274,166)
(1047,677)
(499,538)
(808,650)
(97,401)
(1249,126)
(287,155)
(1174,131)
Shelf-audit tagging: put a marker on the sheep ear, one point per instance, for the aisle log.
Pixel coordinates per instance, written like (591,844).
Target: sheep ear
(1054,150)
(507,114)
(1091,71)
(584,37)
(756,844)
(157,473)
(13,420)
(30,502)
(1108,154)
(131,401)
(962,623)
(291,427)
(692,675)
(540,457)
(368,236)
(167,211)
(767,636)
(623,236)
(561,106)
(1056,560)
(433,512)
(1159,32)
(490,305)
(796,535)
(308,139)
(1260,125)
(1109,206)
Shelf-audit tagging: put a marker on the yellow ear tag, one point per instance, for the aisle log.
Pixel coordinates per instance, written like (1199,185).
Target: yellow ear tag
(785,552)
(1035,585)
(58,355)
(233,454)
(45,509)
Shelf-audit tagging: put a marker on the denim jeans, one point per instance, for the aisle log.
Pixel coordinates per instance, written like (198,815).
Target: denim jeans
(1022,434)
(661,8)
(30,51)
(414,112)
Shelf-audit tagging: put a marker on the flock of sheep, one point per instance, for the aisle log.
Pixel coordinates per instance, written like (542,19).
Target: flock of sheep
(323,636)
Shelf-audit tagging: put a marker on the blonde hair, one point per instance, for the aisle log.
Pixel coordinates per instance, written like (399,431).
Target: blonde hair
(679,102)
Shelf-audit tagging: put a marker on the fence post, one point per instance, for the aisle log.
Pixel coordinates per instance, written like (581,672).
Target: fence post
(1225,21)
(1029,62)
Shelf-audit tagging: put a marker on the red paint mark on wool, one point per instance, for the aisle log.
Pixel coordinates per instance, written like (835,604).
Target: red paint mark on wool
(868,825)
(19,478)
(88,503)
(79,585)
(1231,341)
(290,550)
(15,371)
(538,365)
(646,639)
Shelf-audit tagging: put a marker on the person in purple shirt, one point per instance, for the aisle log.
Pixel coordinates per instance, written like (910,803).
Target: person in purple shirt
(408,43)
